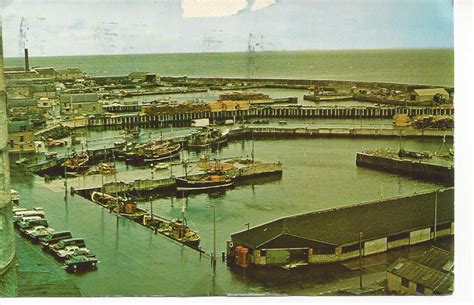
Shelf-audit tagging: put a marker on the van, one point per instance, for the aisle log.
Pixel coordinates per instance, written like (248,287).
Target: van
(22,221)
(55,237)
(33,222)
(35,212)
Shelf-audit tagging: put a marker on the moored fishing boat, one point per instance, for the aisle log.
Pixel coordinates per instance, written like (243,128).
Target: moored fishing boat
(132,132)
(176,228)
(209,181)
(153,152)
(123,206)
(106,168)
(207,137)
(76,161)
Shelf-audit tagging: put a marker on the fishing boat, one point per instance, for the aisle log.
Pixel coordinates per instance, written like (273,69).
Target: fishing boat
(120,143)
(123,206)
(76,161)
(207,137)
(414,154)
(176,228)
(106,168)
(153,152)
(167,152)
(161,166)
(208,181)
(132,132)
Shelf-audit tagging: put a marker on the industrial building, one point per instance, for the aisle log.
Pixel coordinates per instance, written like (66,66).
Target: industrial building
(21,137)
(337,234)
(82,103)
(426,95)
(431,273)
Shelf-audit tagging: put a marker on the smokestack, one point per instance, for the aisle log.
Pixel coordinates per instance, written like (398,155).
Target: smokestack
(27,63)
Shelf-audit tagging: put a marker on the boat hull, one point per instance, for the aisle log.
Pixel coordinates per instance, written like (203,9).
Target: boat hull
(187,185)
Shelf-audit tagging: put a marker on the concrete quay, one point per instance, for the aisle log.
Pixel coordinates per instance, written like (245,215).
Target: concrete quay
(435,169)
(286,132)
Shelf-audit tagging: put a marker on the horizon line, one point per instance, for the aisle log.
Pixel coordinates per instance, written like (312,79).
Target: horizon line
(217,52)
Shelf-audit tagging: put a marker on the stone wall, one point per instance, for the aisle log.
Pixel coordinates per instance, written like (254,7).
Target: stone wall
(7,241)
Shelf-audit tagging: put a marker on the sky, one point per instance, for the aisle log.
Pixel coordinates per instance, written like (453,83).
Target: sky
(83,27)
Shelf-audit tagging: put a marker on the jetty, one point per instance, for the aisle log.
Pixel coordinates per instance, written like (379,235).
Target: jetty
(144,180)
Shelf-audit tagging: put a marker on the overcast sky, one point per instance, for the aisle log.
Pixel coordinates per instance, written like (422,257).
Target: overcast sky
(79,27)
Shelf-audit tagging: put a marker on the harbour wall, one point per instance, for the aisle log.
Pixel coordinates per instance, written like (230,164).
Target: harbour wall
(298,112)
(296,83)
(280,132)
(416,169)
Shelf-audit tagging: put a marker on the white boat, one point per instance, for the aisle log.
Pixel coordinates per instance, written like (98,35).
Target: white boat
(161,165)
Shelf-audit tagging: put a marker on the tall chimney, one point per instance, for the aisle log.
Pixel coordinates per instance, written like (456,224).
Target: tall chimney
(27,63)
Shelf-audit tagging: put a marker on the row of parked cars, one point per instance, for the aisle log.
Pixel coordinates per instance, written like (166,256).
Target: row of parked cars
(33,225)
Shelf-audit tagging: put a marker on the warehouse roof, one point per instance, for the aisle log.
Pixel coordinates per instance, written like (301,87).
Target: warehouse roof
(21,102)
(432,91)
(45,70)
(341,226)
(439,282)
(438,259)
(79,98)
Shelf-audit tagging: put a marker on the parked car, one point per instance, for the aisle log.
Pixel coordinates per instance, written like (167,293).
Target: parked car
(18,214)
(54,238)
(32,223)
(81,263)
(37,232)
(54,248)
(71,251)
(24,222)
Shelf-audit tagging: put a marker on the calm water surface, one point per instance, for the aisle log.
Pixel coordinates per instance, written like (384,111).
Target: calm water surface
(411,66)
(318,174)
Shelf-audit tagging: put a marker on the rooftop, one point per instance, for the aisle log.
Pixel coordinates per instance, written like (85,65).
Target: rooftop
(439,282)
(437,259)
(432,91)
(341,226)
(79,97)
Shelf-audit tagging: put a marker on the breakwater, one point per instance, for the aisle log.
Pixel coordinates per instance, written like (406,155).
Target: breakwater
(184,119)
(280,132)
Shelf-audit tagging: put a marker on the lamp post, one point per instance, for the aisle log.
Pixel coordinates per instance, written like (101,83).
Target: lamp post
(214,241)
(360,260)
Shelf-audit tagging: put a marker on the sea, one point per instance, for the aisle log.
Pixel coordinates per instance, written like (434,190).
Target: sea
(410,66)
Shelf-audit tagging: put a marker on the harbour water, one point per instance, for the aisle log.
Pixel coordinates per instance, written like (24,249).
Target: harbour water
(410,66)
(317,174)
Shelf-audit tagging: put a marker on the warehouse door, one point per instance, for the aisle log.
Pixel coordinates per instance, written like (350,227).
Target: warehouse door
(299,255)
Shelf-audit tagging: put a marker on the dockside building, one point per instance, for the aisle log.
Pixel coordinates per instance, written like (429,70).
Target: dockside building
(337,234)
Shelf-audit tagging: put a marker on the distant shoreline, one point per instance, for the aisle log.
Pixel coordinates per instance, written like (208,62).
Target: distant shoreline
(238,52)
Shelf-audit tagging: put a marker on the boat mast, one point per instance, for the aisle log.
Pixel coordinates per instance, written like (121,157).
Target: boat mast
(253,148)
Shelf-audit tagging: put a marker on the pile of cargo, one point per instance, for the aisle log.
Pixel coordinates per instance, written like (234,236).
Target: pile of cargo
(433,122)
(243,96)
(401,120)
(60,132)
